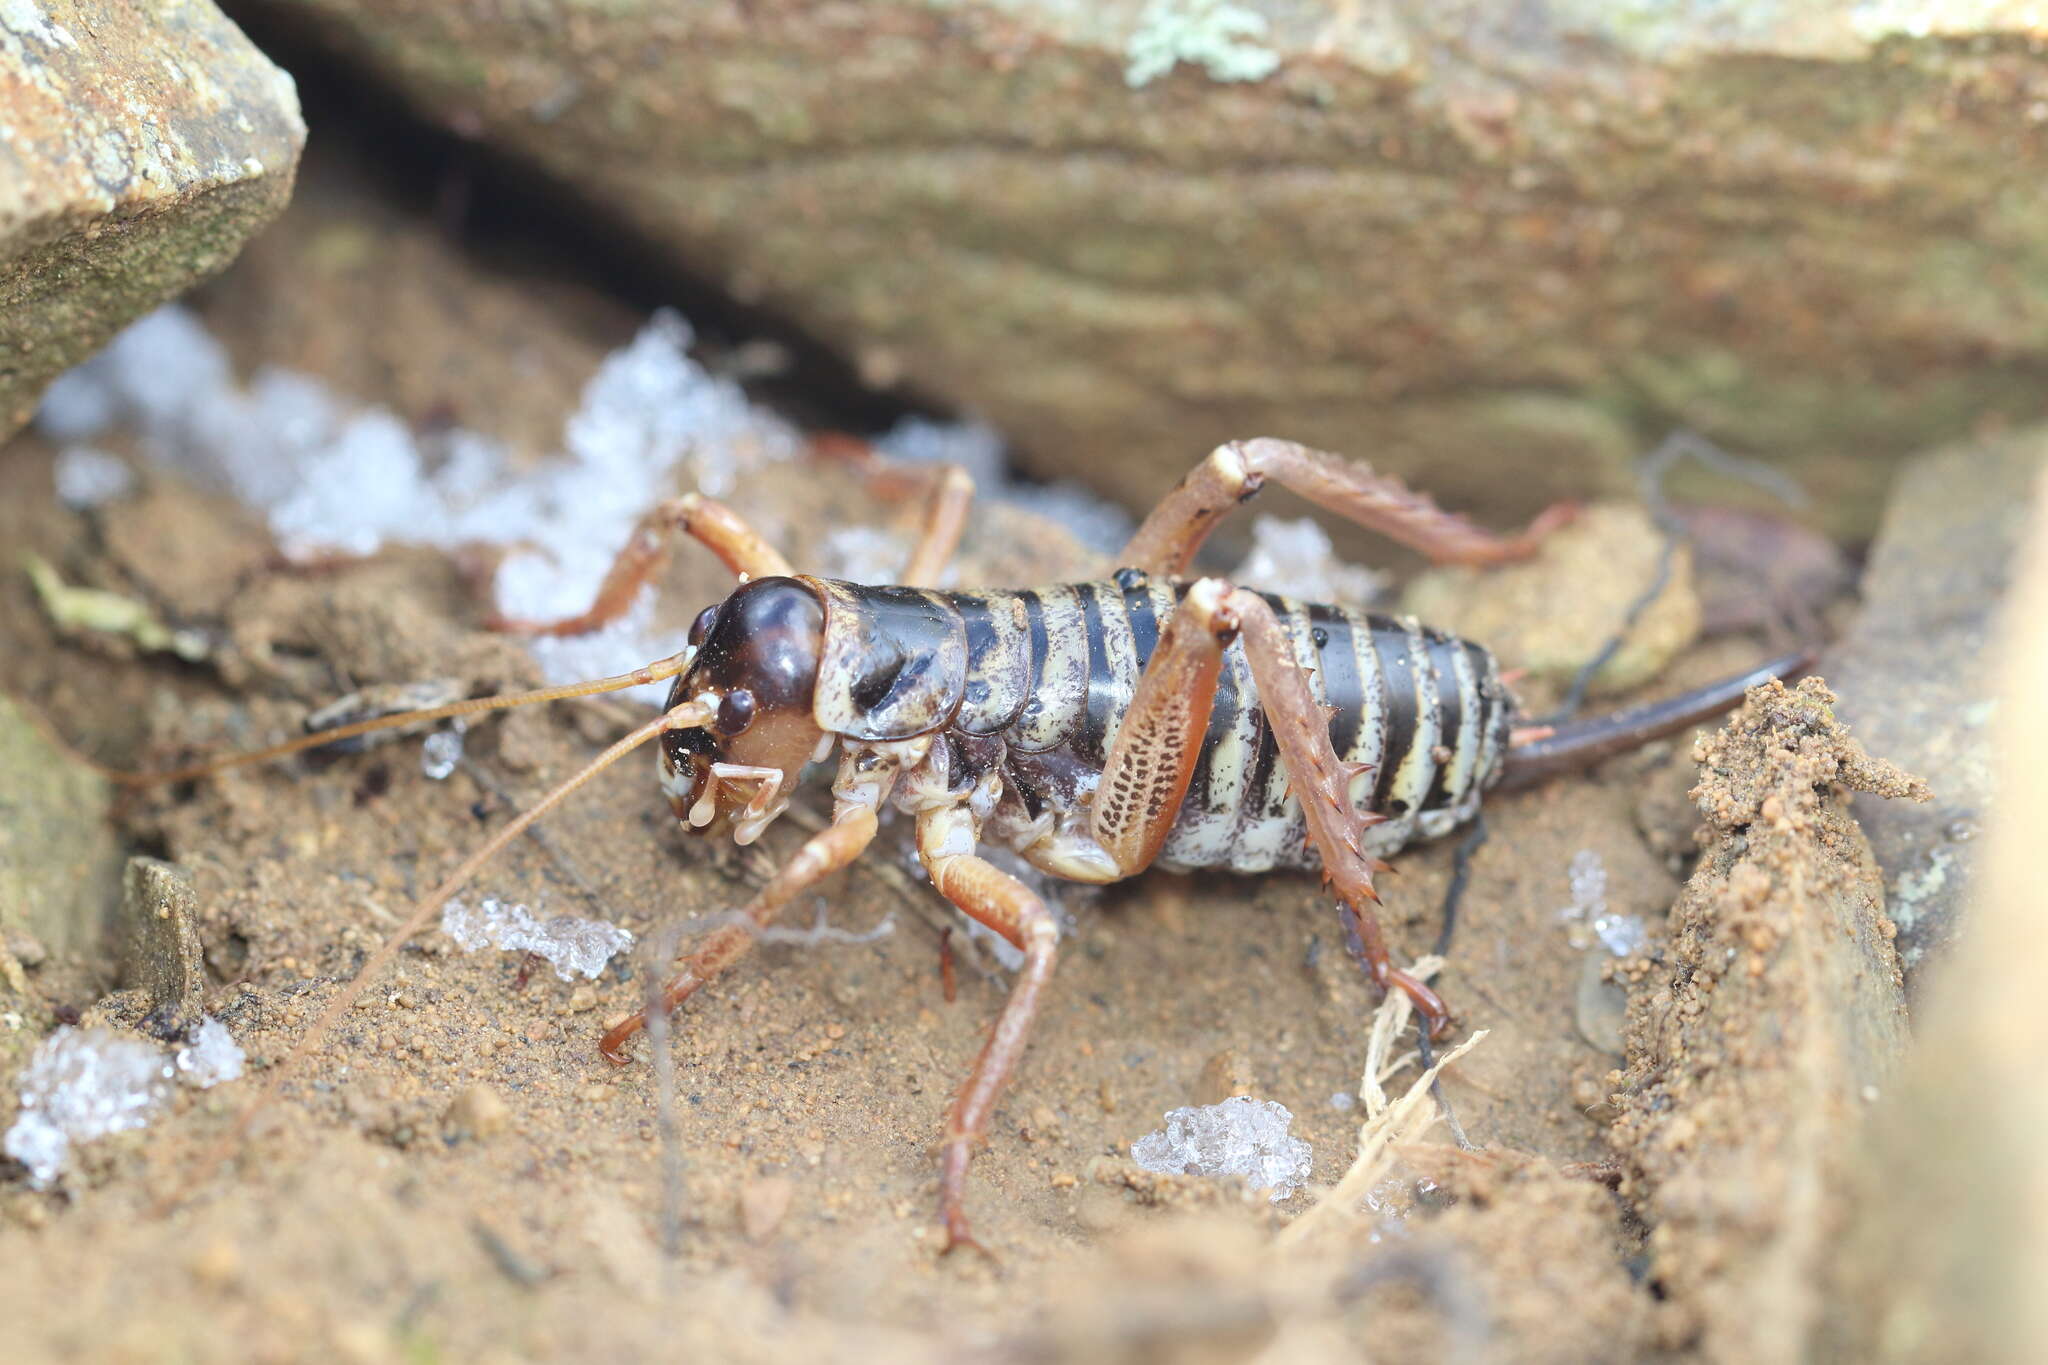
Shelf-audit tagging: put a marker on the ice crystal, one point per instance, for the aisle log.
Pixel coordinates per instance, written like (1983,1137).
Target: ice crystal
(442,751)
(83,1084)
(570,943)
(1588,919)
(1241,1136)
(210,1057)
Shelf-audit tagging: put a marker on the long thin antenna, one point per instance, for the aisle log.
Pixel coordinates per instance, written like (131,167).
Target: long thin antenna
(684,716)
(654,672)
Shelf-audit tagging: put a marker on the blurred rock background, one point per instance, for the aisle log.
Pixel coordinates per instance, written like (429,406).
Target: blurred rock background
(1497,248)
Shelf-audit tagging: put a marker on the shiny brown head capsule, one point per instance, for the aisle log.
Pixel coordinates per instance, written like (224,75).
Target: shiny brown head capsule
(757,664)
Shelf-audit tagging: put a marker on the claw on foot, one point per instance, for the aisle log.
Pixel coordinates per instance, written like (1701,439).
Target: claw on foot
(1436,1017)
(612,1047)
(958,1238)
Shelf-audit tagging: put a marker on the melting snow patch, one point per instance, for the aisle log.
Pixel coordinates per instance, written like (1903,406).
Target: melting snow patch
(1241,1136)
(1296,559)
(334,478)
(210,1057)
(83,1084)
(87,477)
(570,943)
(1587,918)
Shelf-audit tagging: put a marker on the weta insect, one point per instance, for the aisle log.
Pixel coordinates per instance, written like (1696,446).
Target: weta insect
(1094,728)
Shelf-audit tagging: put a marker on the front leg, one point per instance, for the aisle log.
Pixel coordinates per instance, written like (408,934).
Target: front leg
(717,527)
(985,893)
(839,843)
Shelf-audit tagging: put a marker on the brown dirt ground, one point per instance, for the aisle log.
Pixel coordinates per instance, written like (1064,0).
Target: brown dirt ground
(810,1083)
(359,1225)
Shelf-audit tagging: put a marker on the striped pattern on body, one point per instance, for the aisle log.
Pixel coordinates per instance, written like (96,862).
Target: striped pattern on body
(1052,671)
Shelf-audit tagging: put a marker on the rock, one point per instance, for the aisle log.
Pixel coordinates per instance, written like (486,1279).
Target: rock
(1777,1006)
(1911,669)
(1600,1006)
(478,1112)
(1225,1074)
(1555,612)
(59,864)
(1945,1258)
(160,950)
(1413,232)
(144,143)
(764,1203)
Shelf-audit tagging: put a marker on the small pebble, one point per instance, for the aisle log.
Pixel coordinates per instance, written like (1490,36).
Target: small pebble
(763,1205)
(478,1111)
(216,1264)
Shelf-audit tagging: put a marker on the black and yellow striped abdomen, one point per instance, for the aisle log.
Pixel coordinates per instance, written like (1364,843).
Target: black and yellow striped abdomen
(1051,671)
(1427,710)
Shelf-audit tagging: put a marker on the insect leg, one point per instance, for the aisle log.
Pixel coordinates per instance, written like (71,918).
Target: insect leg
(1322,784)
(831,848)
(738,546)
(1152,759)
(945,841)
(947,488)
(687,715)
(1167,541)
(945,517)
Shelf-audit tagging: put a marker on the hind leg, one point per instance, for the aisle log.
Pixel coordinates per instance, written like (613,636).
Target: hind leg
(1321,782)
(1234,473)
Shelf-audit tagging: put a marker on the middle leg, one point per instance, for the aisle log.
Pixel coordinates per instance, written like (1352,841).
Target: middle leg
(945,519)
(985,893)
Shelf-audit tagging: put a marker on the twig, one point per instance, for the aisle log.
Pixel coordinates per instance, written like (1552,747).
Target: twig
(1404,1120)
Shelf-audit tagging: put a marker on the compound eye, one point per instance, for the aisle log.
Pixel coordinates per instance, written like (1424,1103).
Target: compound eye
(701,627)
(735,712)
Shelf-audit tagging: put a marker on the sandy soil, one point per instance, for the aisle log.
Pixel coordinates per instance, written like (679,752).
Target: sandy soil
(809,1085)
(458,1176)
